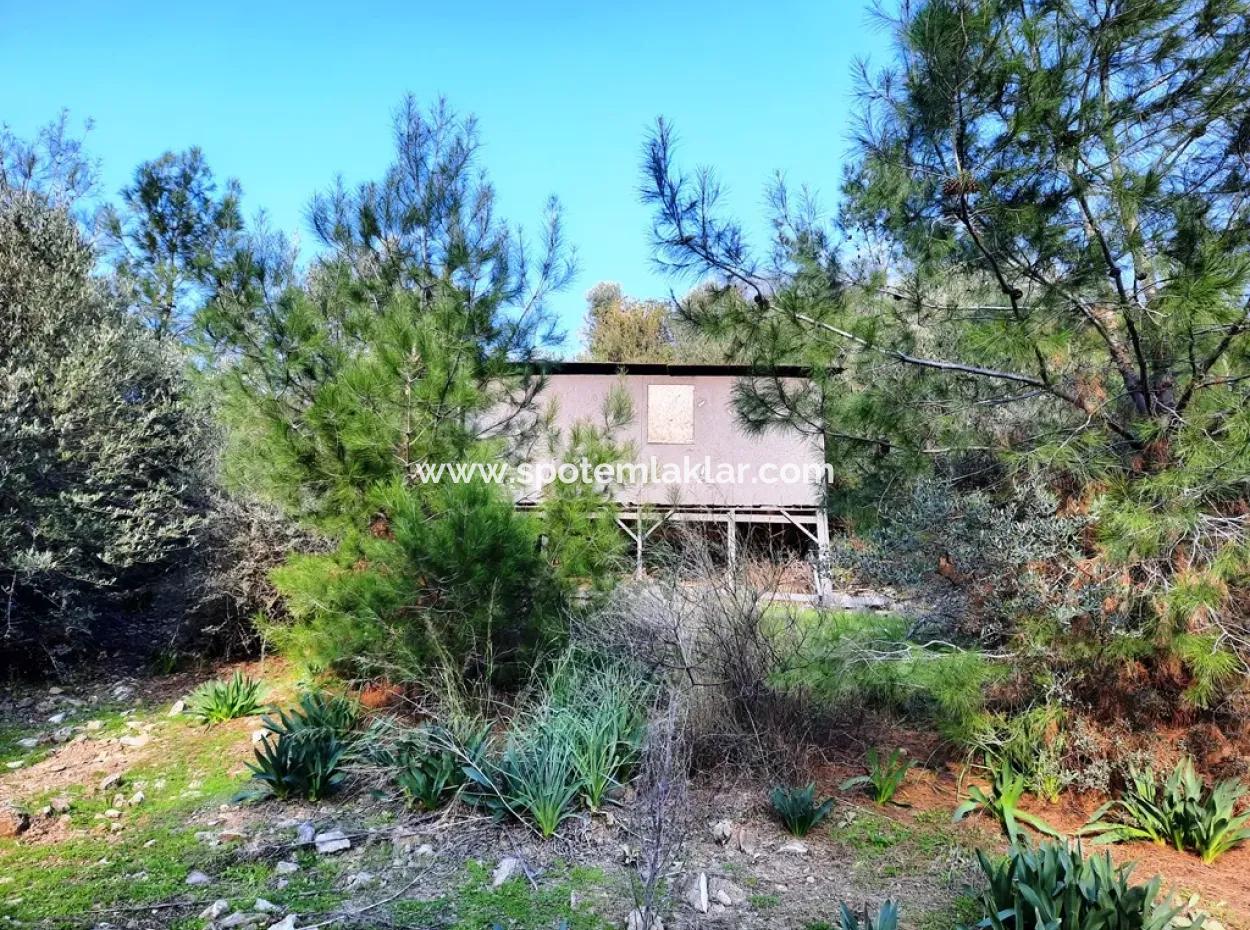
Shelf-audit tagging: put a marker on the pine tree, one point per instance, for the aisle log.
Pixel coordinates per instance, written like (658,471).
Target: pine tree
(1043,258)
(404,344)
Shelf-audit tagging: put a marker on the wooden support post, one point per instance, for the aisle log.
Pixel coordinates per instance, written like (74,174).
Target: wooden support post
(638,538)
(823,581)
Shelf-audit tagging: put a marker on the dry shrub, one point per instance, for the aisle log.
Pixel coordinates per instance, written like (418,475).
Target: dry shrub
(727,643)
(660,817)
(243,541)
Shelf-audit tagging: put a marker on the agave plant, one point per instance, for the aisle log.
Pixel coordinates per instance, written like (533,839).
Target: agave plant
(798,809)
(1054,886)
(218,701)
(1001,801)
(303,751)
(1180,812)
(886,917)
(885,775)
(430,766)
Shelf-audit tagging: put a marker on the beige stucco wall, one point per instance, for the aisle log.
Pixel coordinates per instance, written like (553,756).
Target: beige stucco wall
(718,438)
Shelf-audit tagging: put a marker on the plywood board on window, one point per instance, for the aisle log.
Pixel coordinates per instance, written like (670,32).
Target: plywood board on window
(670,413)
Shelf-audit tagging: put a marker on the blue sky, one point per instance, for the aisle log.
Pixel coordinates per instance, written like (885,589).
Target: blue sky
(284,96)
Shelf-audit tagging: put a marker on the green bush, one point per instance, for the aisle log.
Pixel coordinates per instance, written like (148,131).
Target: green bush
(885,775)
(1001,801)
(217,701)
(450,574)
(798,809)
(1180,811)
(1053,885)
(304,749)
(101,466)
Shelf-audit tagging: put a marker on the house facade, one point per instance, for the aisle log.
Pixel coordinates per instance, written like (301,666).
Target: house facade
(694,462)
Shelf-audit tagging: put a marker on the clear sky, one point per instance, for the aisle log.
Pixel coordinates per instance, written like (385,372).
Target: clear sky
(283,96)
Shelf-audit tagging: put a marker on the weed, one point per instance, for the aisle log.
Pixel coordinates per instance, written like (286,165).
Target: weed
(885,775)
(1001,802)
(218,701)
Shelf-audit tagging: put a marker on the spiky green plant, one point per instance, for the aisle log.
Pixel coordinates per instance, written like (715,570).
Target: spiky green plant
(1181,812)
(304,748)
(798,809)
(221,700)
(429,766)
(885,775)
(886,917)
(1054,886)
(540,777)
(1001,801)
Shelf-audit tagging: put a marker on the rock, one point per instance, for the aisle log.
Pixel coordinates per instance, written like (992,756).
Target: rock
(137,798)
(794,848)
(112,781)
(696,893)
(29,743)
(723,831)
(636,921)
(177,708)
(305,835)
(13,821)
(504,870)
(62,735)
(112,813)
(119,800)
(16,764)
(230,836)
(215,910)
(726,892)
(242,919)
(57,719)
(266,907)
(359,880)
(286,923)
(94,725)
(135,742)
(332,841)
(196,877)
(286,867)
(423,851)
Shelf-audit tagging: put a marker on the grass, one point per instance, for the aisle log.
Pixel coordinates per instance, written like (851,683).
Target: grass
(512,906)
(147,862)
(764,902)
(964,911)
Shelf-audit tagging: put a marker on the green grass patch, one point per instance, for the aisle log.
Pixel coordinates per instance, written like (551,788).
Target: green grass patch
(514,905)
(964,911)
(764,902)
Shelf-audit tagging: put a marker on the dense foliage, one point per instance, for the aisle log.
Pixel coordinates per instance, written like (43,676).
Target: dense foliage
(1054,885)
(1041,272)
(100,451)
